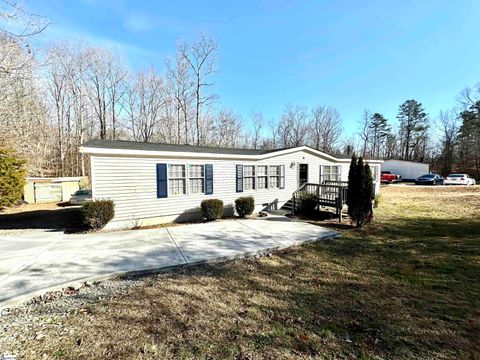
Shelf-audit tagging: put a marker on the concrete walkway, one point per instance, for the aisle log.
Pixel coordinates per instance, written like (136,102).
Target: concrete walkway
(35,262)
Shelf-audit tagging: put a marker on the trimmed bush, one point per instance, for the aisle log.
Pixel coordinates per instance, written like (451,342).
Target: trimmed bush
(212,209)
(96,214)
(245,205)
(308,202)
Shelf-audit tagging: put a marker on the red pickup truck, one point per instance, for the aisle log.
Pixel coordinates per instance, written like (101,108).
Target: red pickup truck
(388,178)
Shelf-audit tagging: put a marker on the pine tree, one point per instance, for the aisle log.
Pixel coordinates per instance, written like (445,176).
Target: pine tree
(413,129)
(469,140)
(379,129)
(12,177)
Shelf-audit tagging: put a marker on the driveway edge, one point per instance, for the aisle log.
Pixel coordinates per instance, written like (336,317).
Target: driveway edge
(77,283)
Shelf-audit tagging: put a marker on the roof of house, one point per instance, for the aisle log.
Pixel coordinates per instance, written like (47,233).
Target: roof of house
(148,146)
(121,147)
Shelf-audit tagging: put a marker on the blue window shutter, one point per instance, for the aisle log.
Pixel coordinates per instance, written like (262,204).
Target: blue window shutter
(161,180)
(239,173)
(208,179)
(282,176)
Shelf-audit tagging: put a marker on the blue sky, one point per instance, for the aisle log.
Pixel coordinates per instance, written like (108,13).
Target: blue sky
(349,54)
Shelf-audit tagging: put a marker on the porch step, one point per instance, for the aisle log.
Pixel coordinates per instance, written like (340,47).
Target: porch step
(288,206)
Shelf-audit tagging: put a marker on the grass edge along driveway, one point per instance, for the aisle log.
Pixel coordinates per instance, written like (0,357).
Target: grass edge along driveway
(406,287)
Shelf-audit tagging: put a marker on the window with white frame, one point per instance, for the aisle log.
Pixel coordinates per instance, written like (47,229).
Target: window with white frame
(331,173)
(262,177)
(249,177)
(176,179)
(196,179)
(274,176)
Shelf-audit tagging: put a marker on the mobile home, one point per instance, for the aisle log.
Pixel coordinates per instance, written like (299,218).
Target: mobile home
(156,183)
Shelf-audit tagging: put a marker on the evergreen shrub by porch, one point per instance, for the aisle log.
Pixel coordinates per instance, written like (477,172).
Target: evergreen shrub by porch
(308,202)
(212,209)
(360,193)
(245,205)
(96,214)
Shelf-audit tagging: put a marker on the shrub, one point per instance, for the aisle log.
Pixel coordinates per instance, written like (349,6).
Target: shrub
(12,177)
(245,205)
(96,214)
(360,192)
(308,202)
(376,201)
(212,209)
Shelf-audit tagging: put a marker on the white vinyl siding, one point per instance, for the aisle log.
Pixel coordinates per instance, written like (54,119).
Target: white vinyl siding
(176,179)
(374,170)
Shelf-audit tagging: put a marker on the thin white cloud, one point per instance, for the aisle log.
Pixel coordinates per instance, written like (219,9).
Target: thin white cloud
(134,53)
(138,23)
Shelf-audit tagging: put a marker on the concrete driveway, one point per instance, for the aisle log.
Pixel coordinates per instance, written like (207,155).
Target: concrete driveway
(33,262)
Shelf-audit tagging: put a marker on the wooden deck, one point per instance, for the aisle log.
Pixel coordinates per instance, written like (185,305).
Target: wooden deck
(329,193)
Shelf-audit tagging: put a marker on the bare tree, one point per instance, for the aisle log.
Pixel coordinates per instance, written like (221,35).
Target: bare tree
(144,104)
(227,129)
(293,127)
(350,146)
(364,131)
(17,27)
(326,128)
(449,128)
(97,80)
(257,123)
(180,89)
(22,113)
(201,57)
(117,89)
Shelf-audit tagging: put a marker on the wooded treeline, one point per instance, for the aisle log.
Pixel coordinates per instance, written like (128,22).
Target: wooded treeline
(52,102)
(81,92)
(449,142)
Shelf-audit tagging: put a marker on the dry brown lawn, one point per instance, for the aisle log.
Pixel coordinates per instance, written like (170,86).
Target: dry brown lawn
(406,287)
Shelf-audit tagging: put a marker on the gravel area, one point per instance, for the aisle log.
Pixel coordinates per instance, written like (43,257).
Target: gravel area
(29,321)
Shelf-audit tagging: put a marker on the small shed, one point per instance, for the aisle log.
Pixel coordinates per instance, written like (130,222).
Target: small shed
(408,170)
(47,190)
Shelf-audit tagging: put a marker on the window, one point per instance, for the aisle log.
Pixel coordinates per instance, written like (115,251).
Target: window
(249,177)
(274,176)
(176,179)
(331,173)
(196,178)
(262,177)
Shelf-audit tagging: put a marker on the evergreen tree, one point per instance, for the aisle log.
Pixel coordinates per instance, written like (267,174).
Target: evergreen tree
(352,189)
(469,140)
(413,130)
(12,177)
(360,192)
(379,130)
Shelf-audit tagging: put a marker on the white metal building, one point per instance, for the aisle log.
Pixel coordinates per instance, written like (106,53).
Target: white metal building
(408,170)
(157,183)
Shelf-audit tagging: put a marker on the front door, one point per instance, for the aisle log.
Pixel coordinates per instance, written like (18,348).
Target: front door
(302,174)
